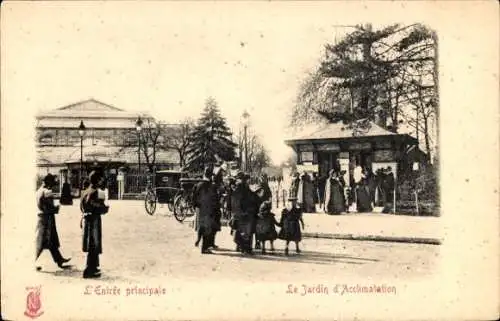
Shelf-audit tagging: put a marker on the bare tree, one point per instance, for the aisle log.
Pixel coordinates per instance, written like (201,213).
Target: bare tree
(258,157)
(176,137)
(149,138)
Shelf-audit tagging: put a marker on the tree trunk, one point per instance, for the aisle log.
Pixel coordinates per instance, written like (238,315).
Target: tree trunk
(426,137)
(365,90)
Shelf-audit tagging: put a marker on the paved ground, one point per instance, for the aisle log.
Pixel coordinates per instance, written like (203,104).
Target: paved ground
(139,246)
(157,252)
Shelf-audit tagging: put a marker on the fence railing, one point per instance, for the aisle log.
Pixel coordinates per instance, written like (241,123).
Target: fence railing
(137,184)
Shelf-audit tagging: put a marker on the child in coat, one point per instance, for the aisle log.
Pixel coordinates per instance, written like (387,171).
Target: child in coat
(265,230)
(290,227)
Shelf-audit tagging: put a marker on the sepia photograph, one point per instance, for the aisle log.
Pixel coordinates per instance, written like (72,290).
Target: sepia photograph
(220,161)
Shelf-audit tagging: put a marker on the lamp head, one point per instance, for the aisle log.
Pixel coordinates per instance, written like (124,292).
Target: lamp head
(81,129)
(138,124)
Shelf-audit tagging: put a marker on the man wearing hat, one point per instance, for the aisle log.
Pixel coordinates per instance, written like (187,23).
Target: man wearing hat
(92,206)
(206,203)
(46,231)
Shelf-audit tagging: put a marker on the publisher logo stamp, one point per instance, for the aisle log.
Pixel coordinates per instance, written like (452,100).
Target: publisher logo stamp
(33,302)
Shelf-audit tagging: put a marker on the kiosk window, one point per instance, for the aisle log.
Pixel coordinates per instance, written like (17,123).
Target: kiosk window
(306,156)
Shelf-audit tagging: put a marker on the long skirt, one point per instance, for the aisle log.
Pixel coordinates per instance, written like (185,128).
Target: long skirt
(336,201)
(364,199)
(46,232)
(245,228)
(66,197)
(290,231)
(92,233)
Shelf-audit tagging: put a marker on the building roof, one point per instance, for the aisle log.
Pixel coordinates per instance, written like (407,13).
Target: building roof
(95,114)
(71,154)
(339,131)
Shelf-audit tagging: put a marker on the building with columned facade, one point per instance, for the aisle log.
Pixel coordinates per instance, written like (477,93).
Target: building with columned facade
(110,141)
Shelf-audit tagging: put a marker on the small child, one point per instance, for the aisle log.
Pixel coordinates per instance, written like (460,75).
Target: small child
(265,230)
(290,227)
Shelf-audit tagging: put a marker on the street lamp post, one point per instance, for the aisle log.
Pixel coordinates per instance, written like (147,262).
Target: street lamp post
(246,117)
(81,132)
(138,127)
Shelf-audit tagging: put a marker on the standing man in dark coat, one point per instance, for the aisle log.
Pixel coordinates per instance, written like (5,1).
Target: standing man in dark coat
(92,206)
(205,202)
(218,182)
(46,231)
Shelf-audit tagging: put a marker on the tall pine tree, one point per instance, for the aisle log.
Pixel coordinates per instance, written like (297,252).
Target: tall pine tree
(210,140)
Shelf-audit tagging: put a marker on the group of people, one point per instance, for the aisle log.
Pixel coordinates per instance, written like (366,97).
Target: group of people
(92,204)
(252,223)
(366,189)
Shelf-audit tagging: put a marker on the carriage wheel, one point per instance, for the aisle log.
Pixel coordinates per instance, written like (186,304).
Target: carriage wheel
(171,207)
(150,203)
(180,208)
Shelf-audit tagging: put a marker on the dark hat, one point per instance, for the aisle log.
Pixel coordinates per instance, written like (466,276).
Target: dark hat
(49,179)
(265,206)
(95,177)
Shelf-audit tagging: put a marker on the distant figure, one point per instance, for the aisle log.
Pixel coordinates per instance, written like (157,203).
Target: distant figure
(388,186)
(120,178)
(363,199)
(334,194)
(315,185)
(294,185)
(66,197)
(305,194)
(46,231)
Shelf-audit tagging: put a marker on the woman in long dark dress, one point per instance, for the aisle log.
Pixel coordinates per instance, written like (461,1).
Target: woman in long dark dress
(334,195)
(66,197)
(290,222)
(364,203)
(242,221)
(305,194)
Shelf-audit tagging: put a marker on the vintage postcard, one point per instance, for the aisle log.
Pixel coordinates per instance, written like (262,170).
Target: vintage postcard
(288,160)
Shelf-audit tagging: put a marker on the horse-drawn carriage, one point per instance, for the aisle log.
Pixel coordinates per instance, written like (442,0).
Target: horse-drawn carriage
(171,188)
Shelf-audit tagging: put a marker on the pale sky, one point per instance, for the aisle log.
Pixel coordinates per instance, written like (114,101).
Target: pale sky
(167,58)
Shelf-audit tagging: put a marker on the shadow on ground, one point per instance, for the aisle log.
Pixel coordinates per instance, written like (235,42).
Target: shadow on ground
(72,272)
(303,257)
